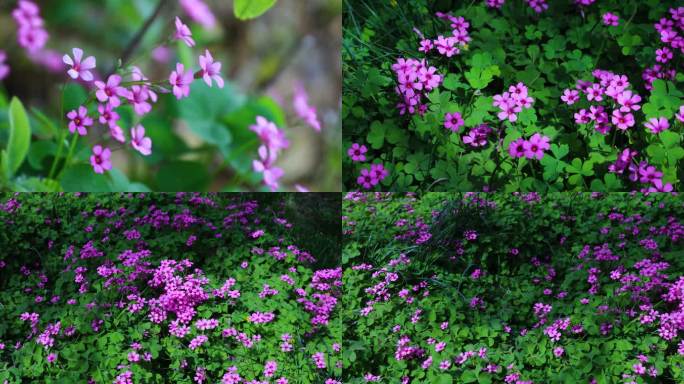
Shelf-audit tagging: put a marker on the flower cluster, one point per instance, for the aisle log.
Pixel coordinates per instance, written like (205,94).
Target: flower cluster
(273,140)
(372,176)
(512,102)
(532,148)
(415,80)
(31,34)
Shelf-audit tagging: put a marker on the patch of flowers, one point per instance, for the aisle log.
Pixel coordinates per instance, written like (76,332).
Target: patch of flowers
(513,288)
(114,293)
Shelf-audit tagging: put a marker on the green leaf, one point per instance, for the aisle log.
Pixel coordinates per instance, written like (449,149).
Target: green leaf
(376,135)
(81,178)
(249,9)
(19,137)
(204,110)
(559,151)
(452,82)
(183,176)
(669,138)
(444,379)
(533,51)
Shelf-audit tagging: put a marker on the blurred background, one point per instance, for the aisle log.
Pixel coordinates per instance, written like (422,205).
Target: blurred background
(202,142)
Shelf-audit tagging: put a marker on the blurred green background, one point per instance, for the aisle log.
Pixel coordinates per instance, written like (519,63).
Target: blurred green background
(202,142)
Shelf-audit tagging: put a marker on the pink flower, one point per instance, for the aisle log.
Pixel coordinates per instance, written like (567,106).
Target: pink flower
(558,351)
(79,121)
(198,341)
(680,115)
(357,152)
(265,166)
(658,186)
(137,97)
(4,68)
(199,12)
(595,93)
(210,69)
(628,101)
(517,148)
(139,142)
(181,81)
(536,146)
(31,33)
(305,111)
(425,45)
(570,96)
(639,369)
(111,91)
(610,19)
(107,115)
(183,33)
(100,159)
(79,68)
(270,368)
(509,111)
(365,179)
(51,358)
(117,133)
(269,134)
(657,125)
(622,120)
(133,357)
(663,55)
(453,121)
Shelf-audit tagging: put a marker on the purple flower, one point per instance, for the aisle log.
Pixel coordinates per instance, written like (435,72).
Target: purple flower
(657,125)
(79,121)
(210,69)
(111,91)
(139,142)
(570,96)
(79,68)
(517,148)
(357,152)
(183,33)
(51,358)
(535,146)
(610,19)
(197,341)
(100,159)
(270,368)
(4,68)
(181,80)
(453,121)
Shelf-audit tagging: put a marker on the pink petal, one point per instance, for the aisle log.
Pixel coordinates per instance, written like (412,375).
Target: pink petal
(86,76)
(67,60)
(88,63)
(78,54)
(73,73)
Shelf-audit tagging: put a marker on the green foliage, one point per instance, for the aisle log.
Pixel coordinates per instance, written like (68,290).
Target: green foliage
(548,51)
(19,139)
(249,9)
(409,275)
(46,226)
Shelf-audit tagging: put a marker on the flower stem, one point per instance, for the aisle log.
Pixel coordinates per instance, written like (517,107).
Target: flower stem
(62,136)
(133,44)
(72,147)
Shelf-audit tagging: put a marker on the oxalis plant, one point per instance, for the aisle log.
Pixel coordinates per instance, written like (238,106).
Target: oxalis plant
(104,108)
(513,288)
(513,95)
(167,288)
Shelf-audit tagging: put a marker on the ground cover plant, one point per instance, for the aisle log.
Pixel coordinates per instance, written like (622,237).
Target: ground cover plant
(161,288)
(513,288)
(169,95)
(533,95)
